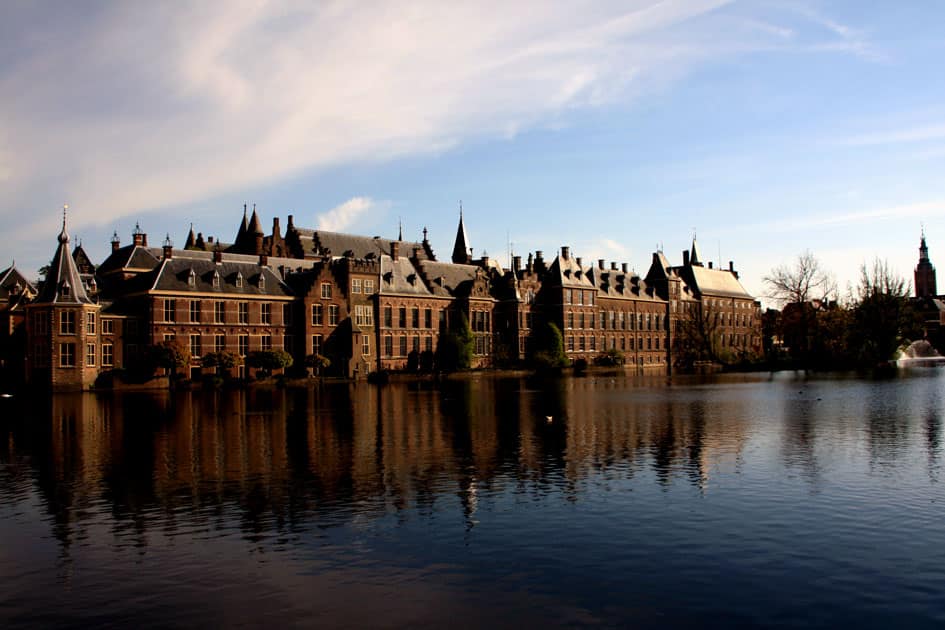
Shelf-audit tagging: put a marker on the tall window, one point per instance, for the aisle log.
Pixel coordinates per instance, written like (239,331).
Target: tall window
(415,317)
(90,354)
(388,317)
(356,285)
(267,342)
(170,307)
(402,317)
(90,323)
(287,314)
(428,343)
(67,355)
(416,343)
(316,344)
(108,355)
(219,312)
(402,346)
(567,296)
(108,326)
(428,318)
(570,319)
(364,315)
(243,345)
(365,345)
(265,313)
(244,313)
(316,314)
(388,345)
(195,311)
(219,343)
(368,287)
(332,314)
(41,323)
(195,345)
(326,291)
(67,323)
(581,319)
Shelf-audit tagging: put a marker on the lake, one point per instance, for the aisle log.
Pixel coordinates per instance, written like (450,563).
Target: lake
(770,500)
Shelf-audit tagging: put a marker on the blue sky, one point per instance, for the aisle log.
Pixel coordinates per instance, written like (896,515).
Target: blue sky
(613,127)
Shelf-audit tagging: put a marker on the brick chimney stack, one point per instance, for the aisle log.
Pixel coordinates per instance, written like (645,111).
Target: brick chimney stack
(394,250)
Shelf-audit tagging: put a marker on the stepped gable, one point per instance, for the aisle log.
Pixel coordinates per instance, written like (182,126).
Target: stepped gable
(400,277)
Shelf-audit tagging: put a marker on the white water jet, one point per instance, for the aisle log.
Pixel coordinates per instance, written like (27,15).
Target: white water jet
(919,354)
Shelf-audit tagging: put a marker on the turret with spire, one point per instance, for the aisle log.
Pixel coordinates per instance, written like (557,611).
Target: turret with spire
(925,284)
(461,246)
(63,283)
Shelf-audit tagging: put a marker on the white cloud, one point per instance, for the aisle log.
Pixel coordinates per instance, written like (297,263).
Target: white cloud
(151,105)
(342,216)
(922,133)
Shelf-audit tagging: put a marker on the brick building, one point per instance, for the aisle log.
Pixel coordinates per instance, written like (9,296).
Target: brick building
(363,303)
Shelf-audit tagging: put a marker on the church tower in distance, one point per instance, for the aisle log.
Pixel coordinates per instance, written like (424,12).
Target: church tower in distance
(924,272)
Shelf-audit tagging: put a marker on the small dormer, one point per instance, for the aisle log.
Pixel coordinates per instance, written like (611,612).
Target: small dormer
(261,282)
(239,280)
(216,279)
(191,278)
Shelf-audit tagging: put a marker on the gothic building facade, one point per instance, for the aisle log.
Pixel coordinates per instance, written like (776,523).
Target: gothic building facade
(364,303)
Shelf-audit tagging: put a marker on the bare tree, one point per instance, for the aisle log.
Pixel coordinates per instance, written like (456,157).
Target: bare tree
(802,282)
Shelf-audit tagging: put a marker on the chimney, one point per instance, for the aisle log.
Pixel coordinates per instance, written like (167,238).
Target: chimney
(565,252)
(263,260)
(516,263)
(731,266)
(394,250)
(138,237)
(289,224)
(258,244)
(600,264)
(218,254)
(416,253)
(613,266)
(685,258)
(276,231)
(116,242)
(710,264)
(210,240)
(485,261)
(168,247)
(623,267)
(578,261)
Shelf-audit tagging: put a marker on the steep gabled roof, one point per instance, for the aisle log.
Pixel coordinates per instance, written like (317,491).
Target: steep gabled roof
(63,284)
(10,278)
(448,279)
(714,282)
(461,245)
(694,258)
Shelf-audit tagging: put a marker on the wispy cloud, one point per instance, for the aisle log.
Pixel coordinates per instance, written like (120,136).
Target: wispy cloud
(919,210)
(921,133)
(150,105)
(344,215)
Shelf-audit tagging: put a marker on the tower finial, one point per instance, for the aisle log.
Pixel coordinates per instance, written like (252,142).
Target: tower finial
(400,229)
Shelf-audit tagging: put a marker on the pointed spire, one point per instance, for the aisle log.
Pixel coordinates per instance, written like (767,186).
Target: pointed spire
(191,238)
(255,226)
(63,283)
(241,232)
(400,229)
(461,246)
(694,258)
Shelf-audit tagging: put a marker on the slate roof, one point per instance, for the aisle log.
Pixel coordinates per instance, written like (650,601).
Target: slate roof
(716,282)
(360,246)
(400,277)
(569,274)
(174,275)
(9,278)
(448,279)
(461,245)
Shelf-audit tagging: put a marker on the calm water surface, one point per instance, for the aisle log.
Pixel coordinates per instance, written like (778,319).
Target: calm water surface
(748,500)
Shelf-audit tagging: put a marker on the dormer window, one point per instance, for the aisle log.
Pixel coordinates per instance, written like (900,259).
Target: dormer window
(192,279)
(239,280)
(216,279)
(65,291)
(262,281)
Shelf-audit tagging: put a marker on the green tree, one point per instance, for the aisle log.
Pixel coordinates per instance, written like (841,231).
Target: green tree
(268,360)
(223,360)
(318,363)
(547,347)
(170,355)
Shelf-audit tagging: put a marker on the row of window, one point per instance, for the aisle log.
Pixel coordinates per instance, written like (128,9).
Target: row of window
(577,296)
(198,347)
(618,320)
(402,341)
(69,359)
(581,343)
(318,314)
(195,312)
(357,286)
(414,321)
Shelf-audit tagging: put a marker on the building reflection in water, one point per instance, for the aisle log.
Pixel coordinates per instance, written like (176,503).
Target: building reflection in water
(277,460)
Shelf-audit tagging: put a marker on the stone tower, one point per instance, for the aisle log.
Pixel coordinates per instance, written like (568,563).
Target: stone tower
(924,272)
